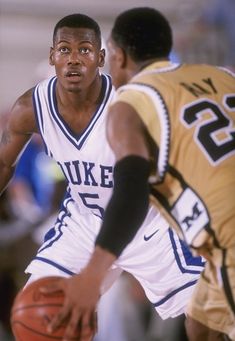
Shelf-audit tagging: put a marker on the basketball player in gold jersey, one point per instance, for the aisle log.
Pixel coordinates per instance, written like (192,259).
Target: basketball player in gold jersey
(172,130)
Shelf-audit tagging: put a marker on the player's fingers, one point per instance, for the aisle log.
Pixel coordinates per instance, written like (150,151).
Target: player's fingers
(88,326)
(89,337)
(94,322)
(59,285)
(73,326)
(59,318)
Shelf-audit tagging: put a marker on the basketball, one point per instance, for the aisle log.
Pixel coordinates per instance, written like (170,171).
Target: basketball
(32,311)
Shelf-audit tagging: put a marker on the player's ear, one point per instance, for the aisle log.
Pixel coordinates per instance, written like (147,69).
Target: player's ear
(51,56)
(121,57)
(102,57)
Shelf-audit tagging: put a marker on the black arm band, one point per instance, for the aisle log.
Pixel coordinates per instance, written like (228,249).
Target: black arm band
(128,205)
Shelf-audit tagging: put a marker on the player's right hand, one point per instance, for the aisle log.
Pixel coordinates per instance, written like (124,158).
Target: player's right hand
(79,308)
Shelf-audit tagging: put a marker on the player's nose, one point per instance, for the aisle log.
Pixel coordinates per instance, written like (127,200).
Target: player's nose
(74,58)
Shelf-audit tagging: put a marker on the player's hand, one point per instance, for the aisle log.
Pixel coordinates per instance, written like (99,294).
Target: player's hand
(82,293)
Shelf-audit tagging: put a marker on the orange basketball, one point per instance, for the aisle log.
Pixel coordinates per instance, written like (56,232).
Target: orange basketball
(33,310)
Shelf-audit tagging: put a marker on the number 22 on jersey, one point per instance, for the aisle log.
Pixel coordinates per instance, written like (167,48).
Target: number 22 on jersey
(214,135)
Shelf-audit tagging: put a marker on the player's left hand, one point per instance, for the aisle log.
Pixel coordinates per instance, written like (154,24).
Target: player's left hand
(82,293)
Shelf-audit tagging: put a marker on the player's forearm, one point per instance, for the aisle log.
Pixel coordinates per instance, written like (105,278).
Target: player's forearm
(128,205)
(6,174)
(99,265)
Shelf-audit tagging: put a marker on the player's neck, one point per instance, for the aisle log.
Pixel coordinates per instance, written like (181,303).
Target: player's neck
(132,67)
(144,64)
(80,98)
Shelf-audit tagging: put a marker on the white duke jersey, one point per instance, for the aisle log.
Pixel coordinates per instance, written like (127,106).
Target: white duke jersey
(155,257)
(85,159)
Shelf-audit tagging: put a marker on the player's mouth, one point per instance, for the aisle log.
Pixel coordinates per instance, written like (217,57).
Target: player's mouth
(73,75)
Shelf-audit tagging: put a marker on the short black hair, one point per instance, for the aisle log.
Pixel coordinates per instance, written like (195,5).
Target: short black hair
(78,20)
(144,33)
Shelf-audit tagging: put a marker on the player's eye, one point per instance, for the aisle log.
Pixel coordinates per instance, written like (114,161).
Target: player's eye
(84,50)
(63,49)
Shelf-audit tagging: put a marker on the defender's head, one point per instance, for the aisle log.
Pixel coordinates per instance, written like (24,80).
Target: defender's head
(144,33)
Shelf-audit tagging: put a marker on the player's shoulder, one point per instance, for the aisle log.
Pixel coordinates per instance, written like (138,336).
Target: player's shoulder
(24,101)
(24,105)
(214,69)
(47,82)
(22,113)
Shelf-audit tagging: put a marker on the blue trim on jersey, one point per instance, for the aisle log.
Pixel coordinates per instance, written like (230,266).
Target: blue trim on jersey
(38,109)
(39,117)
(107,91)
(58,266)
(63,212)
(57,232)
(174,292)
(67,198)
(77,139)
(189,259)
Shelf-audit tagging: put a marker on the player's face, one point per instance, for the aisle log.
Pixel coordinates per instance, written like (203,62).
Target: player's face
(116,62)
(77,57)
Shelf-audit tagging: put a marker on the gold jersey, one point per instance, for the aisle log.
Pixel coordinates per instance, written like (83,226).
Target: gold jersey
(189,111)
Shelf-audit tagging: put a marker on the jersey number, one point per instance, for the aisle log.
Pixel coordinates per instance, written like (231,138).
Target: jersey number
(206,130)
(89,200)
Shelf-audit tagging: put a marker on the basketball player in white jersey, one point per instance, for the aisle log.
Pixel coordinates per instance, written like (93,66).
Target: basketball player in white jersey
(69,111)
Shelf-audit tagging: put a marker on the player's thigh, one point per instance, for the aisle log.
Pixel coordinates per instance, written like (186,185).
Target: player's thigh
(209,304)
(196,331)
(227,273)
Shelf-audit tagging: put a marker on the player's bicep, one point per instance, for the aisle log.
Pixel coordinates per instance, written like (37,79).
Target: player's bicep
(125,132)
(12,145)
(17,130)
